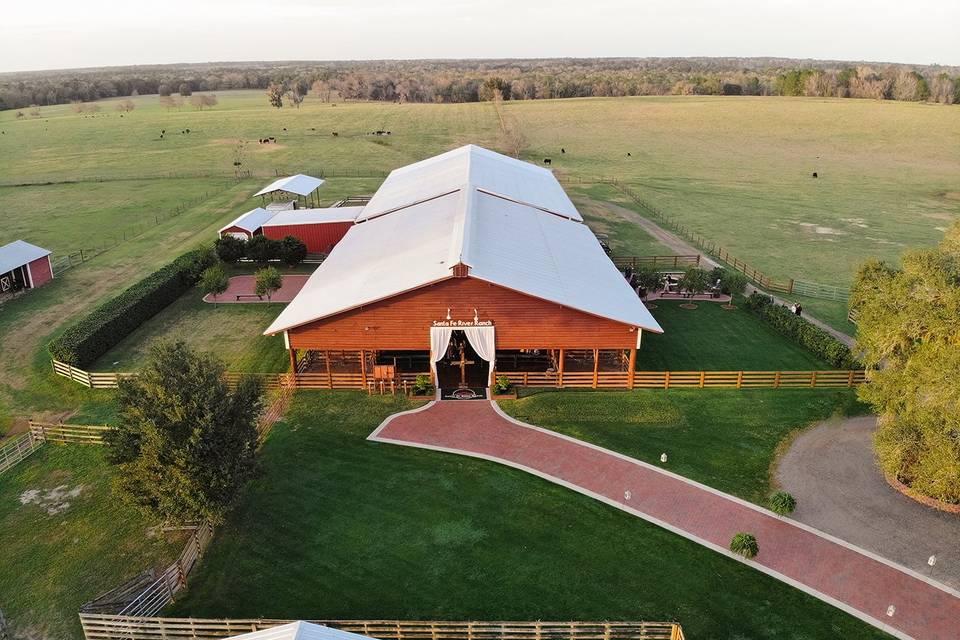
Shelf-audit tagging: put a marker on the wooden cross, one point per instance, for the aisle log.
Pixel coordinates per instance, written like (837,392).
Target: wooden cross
(463,367)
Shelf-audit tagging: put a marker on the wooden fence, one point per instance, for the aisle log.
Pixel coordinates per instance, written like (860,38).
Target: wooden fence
(151,591)
(107,627)
(17,449)
(68,433)
(688,379)
(678,262)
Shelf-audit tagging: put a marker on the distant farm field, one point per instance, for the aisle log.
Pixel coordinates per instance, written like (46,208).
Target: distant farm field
(737,170)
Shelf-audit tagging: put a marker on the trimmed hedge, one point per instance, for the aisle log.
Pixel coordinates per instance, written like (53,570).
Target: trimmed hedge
(82,343)
(802,332)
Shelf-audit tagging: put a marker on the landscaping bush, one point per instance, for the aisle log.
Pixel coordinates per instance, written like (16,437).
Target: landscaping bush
(695,280)
(230,249)
(502,385)
(802,332)
(756,301)
(782,503)
(648,279)
(422,386)
(732,283)
(85,341)
(745,544)
(262,249)
(292,251)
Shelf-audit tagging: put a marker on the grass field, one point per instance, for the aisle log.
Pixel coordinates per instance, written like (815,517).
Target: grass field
(713,338)
(369,530)
(52,562)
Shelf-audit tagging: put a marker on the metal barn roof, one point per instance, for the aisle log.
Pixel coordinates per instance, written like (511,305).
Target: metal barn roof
(314,216)
(18,253)
(251,220)
(471,168)
(299,184)
(514,245)
(301,630)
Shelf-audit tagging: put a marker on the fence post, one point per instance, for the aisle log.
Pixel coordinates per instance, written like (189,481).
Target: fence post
(850,378)
(813,378)
(790,286)
(776,380)
(666,379)
(739,379)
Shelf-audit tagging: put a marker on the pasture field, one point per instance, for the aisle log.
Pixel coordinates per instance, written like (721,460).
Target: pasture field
(370,530)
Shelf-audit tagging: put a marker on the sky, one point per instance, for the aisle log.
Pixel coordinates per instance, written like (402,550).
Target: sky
(55,34)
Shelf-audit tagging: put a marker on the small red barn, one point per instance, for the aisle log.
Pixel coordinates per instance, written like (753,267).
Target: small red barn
(23,266)
(319,229)
(247,225)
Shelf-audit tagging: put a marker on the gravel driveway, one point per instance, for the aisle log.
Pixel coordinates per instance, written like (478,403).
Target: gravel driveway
(831,471)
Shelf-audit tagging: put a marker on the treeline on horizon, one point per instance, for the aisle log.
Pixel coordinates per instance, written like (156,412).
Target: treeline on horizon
(446,81)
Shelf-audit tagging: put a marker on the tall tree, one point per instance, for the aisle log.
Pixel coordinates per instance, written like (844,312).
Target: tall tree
(269,281)
(275,95)
(185,442)
(908,327)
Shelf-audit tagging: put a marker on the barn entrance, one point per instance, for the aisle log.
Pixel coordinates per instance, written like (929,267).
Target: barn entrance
(461,372)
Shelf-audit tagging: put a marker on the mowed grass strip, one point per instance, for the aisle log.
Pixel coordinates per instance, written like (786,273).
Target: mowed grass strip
(726,439)
(66,538)
(711,338)
(339,527)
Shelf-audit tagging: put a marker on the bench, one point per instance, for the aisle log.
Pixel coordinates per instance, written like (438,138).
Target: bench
(249,295)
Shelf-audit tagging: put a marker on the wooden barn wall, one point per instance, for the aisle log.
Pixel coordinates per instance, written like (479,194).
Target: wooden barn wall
(403,322)
(319,238)
(40,271)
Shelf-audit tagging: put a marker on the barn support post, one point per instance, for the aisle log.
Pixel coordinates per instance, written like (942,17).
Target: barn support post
(293,366)
(596,366)
(560,370)
(363,368)
(631,372)
(326,358)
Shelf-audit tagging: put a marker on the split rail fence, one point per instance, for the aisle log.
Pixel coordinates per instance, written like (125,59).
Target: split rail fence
(789,286)
(657,262)
(111,627)
(17,449)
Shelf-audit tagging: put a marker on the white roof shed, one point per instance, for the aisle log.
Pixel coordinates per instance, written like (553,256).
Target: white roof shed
(18,253)
(314,216)
(527,237)
(301,630)
(299,184)
(251,220)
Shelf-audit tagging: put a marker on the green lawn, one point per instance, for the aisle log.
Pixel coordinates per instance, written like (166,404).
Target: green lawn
(233,331)
(712,338)
(723,438)
(339,527)
(53,562)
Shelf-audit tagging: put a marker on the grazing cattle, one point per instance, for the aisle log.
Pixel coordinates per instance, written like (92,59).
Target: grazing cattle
(562,150)
(815,174)
(272,139)
(335,134)
(284,128)
(547,161)
(628,154)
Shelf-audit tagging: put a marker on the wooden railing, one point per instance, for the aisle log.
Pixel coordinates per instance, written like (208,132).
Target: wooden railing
(657,262)
(687,379)
(150,592)
(107,627)
(68,433)
(16,449)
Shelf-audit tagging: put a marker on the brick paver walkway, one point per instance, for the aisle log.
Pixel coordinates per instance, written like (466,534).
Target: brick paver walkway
(849,578)
(246,285)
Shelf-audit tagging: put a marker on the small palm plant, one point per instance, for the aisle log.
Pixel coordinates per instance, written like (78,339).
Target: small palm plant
(745,544)
(782,503)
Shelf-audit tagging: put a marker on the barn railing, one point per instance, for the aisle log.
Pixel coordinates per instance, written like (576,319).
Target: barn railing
(687,379)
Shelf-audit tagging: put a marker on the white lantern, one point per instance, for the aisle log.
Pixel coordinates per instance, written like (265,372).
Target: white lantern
(663,457)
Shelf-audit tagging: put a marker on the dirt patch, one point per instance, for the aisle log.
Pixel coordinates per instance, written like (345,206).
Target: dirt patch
(267,148)
(821,230)
(53,501)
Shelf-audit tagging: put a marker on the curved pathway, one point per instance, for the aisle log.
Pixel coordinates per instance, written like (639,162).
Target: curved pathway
(854,580)
(832,472)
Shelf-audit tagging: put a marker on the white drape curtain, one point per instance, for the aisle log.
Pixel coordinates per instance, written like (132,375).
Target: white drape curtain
(482,339)
(439,340)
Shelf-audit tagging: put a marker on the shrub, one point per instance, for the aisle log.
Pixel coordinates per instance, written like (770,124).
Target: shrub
(802,332)
(214,280)
(292,251)
(422,386)
(745,544)
(231,249)
(263,249)
(732,283)
(94,334)
(502,385)
(757,300)
(782,503)
(648,278)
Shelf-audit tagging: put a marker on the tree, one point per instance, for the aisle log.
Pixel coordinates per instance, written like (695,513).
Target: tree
(164,90)
(126,106)
(214,281)
(648,279)
(294,98)
(230,249)
(268,281)
(275,95)
(262,249)
(695,281)
(292,251)
(908,331)
(185,441)
(201,100)
(184,90)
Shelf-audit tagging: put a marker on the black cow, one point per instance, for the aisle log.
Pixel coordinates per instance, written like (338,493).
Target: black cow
(547,161)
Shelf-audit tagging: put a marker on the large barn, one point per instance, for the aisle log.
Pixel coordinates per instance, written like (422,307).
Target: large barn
(460,266)
(319,229)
